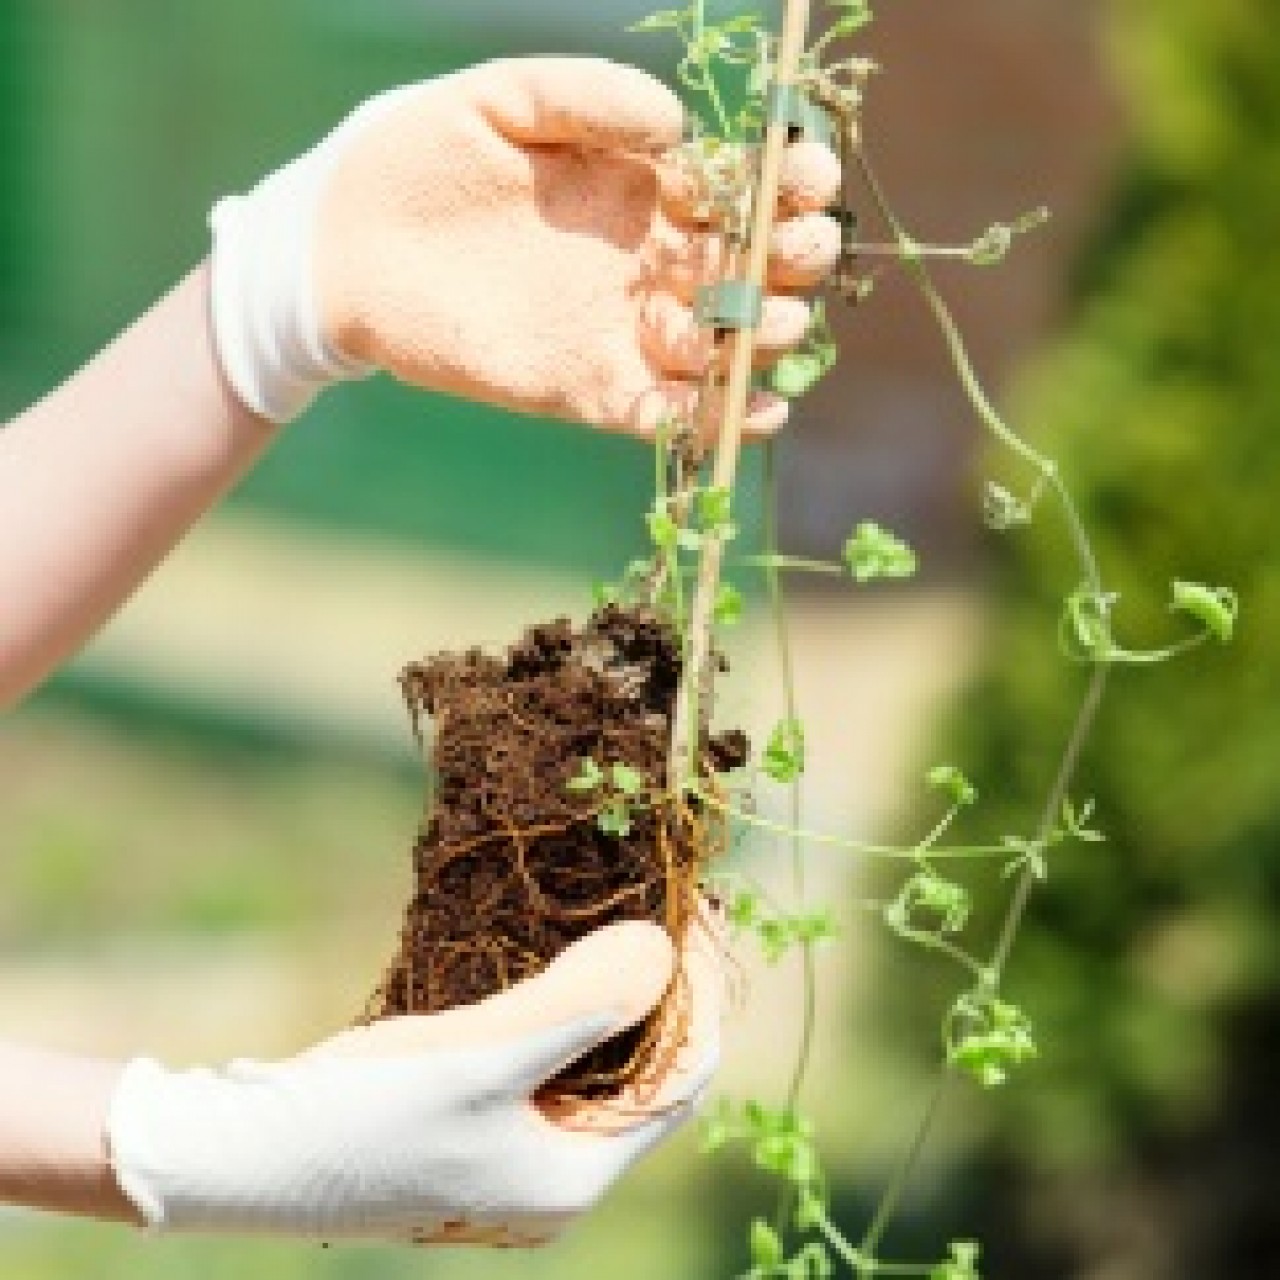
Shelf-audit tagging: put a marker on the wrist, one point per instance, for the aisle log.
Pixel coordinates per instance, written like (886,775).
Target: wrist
(266,316)
(53,1146)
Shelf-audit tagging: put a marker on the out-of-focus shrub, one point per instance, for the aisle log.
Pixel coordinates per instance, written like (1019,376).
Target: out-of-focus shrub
(1147,1140)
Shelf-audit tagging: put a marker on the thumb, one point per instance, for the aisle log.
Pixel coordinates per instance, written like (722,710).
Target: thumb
(608,980)
(603,984)
(589,102)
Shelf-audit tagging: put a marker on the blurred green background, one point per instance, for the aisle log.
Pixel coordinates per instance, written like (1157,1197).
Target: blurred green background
(207,817)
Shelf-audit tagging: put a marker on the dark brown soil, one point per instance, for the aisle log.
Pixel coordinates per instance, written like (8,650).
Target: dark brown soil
(511,865)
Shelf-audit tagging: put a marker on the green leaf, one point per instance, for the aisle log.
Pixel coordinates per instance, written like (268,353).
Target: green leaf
(720,1126)
(784,751)
(815,927)
(766,1248)
(1001,510)
(814,1262)
(946,902)
(727,610)
(1074,823)
(776,936)
(588,778)
(946,777)
(663,20)
(715,507)
(994,243)
(810,1209)
(961,1265)
(744,909)
(614,820)
(795,374)
(626,779)
(874,552)
(663,530)
(986,1037)
(853,16)
(1215,608)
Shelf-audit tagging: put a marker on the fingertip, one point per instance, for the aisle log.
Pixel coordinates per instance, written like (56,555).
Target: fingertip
(767,414)
(586,101)
(809,178)
(783,324)
(803,251)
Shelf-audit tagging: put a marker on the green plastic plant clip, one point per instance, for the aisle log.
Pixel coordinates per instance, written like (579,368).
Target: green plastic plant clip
(789,105)
(731,304)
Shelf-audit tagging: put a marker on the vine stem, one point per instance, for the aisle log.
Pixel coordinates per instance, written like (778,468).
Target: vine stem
(1066,769)
(685,733)
(893,1193)
(1047,470)
(904,853)
(790,710)
(709,85)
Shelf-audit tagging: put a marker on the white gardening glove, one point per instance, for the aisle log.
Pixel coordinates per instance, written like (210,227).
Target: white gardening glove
(423,1128)
(509,233)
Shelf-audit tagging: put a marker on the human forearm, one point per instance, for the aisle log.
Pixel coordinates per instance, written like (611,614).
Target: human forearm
(53,1154)
(106,474)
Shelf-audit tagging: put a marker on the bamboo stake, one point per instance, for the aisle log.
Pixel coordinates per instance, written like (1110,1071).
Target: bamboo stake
(795,21)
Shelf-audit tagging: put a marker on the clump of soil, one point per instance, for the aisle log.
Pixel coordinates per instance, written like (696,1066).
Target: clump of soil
(511,865)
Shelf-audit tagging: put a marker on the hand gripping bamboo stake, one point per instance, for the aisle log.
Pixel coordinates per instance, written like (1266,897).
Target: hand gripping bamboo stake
(795,21)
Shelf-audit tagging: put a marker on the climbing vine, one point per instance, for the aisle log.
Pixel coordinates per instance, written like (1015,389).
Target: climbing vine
(749,87)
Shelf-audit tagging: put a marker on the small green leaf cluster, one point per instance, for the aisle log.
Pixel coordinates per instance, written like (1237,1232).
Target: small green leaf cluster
(708,47)
(962,1263)
(985,1037)
(783,758)
(778,932)
(1215,608)
(1003,510)
(630,588)
(1085,631)
(798,372)
(851,17)
(726,611)
(1072,824)
(994,243)
(713,512)
(768,1257)
(873,552)
(928,904)
(781,1143)
(619,788)
(949,779)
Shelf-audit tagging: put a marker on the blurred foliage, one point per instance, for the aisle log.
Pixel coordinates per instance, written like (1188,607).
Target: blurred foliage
(1150,962)
(620,1240)
(220,838)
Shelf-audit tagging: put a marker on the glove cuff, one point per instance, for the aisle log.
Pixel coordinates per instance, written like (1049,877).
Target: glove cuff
(189,1148)
(266,315)
(133,1157)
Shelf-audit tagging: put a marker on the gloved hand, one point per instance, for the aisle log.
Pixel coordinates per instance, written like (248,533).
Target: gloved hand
(423,1128)
(510,234)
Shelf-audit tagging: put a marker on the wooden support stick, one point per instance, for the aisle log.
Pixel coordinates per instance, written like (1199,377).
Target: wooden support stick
(795,22)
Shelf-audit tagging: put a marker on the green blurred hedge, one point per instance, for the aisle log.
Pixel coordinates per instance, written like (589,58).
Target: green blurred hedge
(1150,962)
